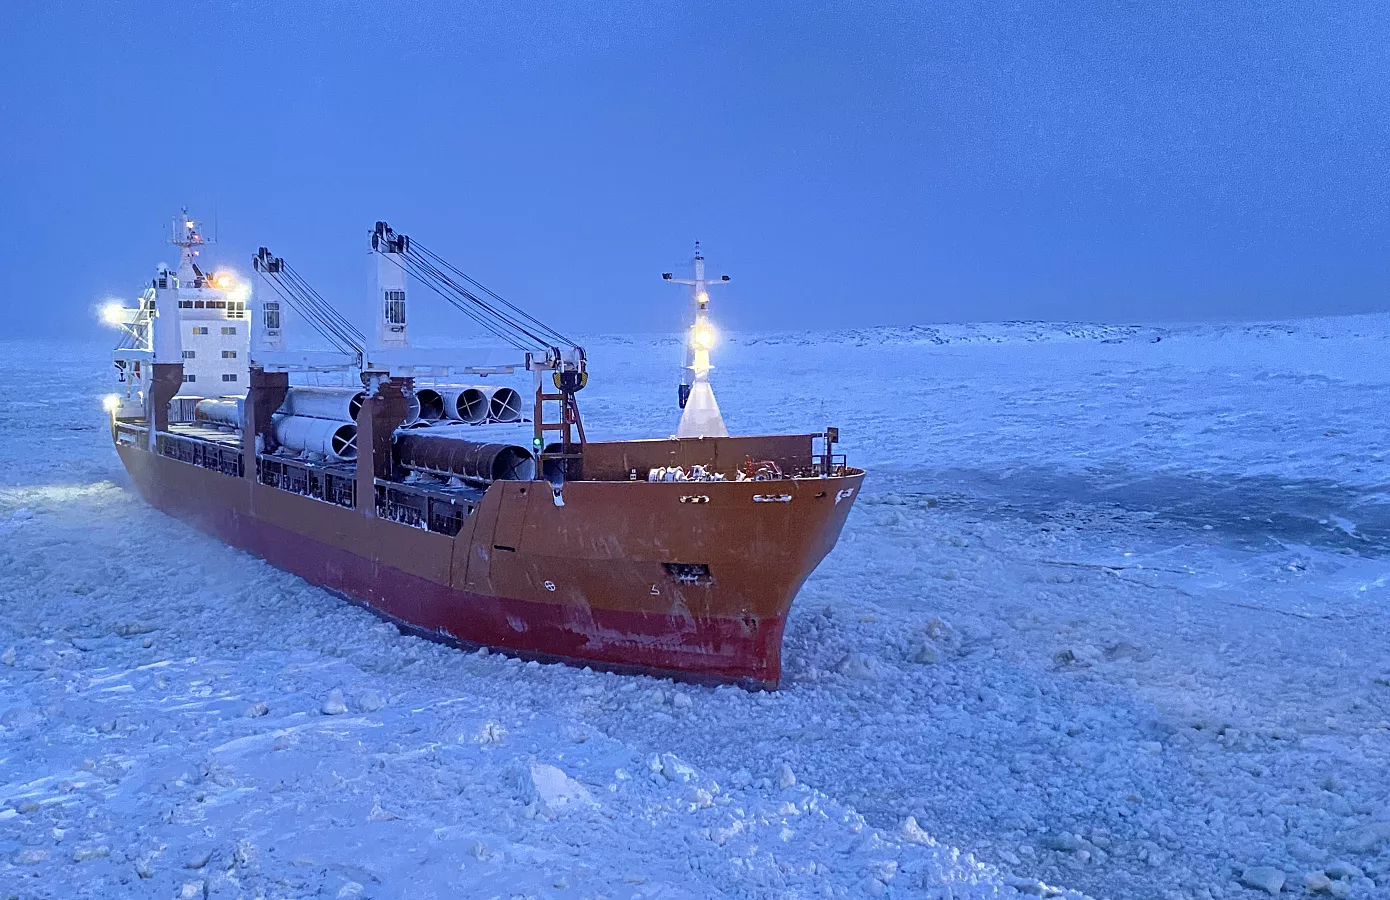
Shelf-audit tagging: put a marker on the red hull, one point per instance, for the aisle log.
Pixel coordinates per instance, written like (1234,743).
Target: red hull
(714,649)
(586,583)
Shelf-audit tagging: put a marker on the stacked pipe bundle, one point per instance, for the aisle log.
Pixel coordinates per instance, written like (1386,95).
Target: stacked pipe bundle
(470,460)
(333,438)
(322,420)
(469,403)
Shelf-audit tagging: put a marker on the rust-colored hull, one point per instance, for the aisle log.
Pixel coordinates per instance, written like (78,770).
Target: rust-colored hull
(583,582)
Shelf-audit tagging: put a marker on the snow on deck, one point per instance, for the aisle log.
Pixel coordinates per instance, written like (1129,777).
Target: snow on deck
(1111,615)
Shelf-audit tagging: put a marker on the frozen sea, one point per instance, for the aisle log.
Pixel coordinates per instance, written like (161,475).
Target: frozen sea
(1110,619)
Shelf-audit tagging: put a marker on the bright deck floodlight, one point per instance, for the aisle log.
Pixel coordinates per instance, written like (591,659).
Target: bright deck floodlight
(118,315)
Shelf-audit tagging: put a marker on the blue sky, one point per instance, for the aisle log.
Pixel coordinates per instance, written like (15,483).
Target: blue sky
(846,163)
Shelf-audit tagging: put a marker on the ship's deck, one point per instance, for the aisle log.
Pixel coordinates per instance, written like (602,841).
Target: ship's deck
(441,505)
(226,437)
(435,506)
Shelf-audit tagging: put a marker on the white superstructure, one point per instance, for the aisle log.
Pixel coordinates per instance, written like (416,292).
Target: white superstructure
(213,324)
(185,316)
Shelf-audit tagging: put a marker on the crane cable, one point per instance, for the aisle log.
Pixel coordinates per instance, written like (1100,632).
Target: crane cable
(513,325)
(546,330)
(436,281)
(303,299)
(344,328)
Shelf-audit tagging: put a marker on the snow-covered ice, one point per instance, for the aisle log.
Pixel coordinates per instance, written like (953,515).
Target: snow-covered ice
(1111,616)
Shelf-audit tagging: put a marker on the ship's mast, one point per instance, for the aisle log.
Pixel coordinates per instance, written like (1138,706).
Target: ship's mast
(700,415)
(188,238)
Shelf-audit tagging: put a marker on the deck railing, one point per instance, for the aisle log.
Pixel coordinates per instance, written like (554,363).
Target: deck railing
(196,451)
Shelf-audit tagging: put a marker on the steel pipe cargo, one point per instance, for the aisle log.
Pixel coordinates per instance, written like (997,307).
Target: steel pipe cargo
(431,404)
(470,460)
(477,403)
(504,405)
(337,440)
(337,403)
(224,411)
(465,404)
(341,404)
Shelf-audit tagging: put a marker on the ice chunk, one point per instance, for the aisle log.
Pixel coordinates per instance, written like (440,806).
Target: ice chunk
(1263,878)
(551,790)
(334,705)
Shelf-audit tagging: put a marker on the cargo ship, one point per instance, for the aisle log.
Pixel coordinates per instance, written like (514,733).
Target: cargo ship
(362,469)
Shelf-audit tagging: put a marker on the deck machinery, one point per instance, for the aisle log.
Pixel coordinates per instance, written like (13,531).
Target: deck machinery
(675,556)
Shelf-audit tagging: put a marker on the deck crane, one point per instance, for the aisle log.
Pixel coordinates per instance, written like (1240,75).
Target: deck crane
(270,363)
(531,344)
(279,283)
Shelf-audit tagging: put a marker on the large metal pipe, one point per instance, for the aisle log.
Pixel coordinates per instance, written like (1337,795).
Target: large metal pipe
(431,404)
(337,403)
(471,460)
(465,404)
(504,405)
(479,403)
(224,411)
(307,433)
